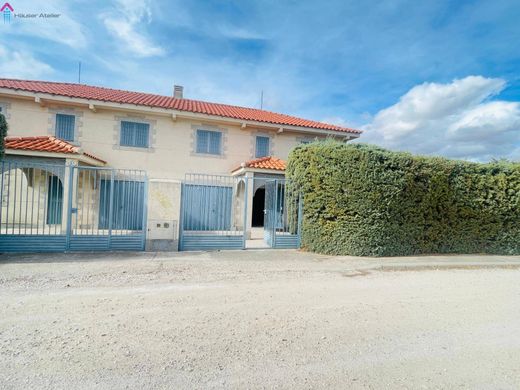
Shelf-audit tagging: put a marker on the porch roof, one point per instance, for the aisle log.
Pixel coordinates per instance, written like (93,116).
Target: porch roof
(269,163)
(47,144)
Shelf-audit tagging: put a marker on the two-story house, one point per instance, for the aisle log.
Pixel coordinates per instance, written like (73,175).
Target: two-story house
(167,137)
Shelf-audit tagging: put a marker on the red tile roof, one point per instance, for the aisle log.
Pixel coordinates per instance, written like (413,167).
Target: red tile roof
(264,163)
(45,143)
(146,99)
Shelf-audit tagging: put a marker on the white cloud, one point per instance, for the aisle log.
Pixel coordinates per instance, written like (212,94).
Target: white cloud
(235,32)
(455,120)
(22,65)
(335,120)
(123,24)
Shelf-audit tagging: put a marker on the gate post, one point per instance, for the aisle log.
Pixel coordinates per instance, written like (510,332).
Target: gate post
(181,218)
(145,210)
(110,208)
(69,187)
(275,211)
(246,193)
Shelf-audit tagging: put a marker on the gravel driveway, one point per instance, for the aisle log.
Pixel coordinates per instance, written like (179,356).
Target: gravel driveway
(258,319)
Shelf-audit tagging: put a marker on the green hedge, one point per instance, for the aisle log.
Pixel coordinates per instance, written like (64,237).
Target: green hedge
(3,134)
(367,201)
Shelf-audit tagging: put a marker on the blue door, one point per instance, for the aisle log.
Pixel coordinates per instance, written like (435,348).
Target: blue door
(207,207)
(54,200)
(127,205)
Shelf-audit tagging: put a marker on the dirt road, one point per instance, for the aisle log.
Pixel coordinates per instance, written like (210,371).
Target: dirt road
(258,319)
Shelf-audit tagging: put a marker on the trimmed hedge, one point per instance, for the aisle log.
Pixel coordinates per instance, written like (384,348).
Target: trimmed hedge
(366,201)
(3,134)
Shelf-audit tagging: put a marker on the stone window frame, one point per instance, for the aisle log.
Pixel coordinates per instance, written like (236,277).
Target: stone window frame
(261,133)
(152,133)
(78,122)
(6,106)
(207,127)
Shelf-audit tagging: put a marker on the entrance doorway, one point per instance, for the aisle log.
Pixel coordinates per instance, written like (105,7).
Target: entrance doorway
(54,201)
(258,208)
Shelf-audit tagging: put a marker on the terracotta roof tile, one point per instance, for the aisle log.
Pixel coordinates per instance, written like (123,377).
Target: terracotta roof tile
(45,143)
(268,162)
(146,99)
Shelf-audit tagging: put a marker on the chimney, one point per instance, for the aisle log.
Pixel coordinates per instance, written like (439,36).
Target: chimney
(178,91)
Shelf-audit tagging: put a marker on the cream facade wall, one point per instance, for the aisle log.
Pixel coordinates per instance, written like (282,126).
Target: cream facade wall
(172,142)
(170,155)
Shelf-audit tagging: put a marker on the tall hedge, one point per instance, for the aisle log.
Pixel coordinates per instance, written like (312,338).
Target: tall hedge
(366,201)
(3,134)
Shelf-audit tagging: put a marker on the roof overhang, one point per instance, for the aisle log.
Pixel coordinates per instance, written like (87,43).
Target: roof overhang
(77,157)
(243,170)
(95,105)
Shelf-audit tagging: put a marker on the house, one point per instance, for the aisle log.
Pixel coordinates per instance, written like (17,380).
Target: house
(170,140)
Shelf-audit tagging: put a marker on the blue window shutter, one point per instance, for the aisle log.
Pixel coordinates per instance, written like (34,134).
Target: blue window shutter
(65,125)
(202,141)
(262,147)
(209,142)
(215,142)
(135,134)
(142,133)
(126,134)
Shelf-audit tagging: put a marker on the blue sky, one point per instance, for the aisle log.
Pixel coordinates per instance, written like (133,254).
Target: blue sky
(436,77)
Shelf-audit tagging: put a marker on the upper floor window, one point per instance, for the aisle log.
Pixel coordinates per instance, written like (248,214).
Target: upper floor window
(262,146)
(135,134)
(209,142)
(65,125)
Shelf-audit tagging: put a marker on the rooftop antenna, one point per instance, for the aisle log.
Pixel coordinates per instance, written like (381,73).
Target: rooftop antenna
(79,73)
(262,100)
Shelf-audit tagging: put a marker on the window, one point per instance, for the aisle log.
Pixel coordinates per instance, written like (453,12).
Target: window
(262,146)
(65,127)
(209,142)
(305,141)
(134,134)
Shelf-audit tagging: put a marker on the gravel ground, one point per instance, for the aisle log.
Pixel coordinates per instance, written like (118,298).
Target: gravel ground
(258,319)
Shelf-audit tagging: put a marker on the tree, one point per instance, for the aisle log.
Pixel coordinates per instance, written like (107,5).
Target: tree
(3,134)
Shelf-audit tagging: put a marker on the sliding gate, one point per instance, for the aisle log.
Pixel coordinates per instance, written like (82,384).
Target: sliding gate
(213,212)
(283,214)
(107,209)
(55,208)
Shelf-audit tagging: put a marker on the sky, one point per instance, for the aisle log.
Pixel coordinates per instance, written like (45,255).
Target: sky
(433,77)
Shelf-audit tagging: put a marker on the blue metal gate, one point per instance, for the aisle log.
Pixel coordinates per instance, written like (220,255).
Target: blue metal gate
(107,209)
(127,209)
(283,214)
(210,207)
(55,208)
(213,212)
